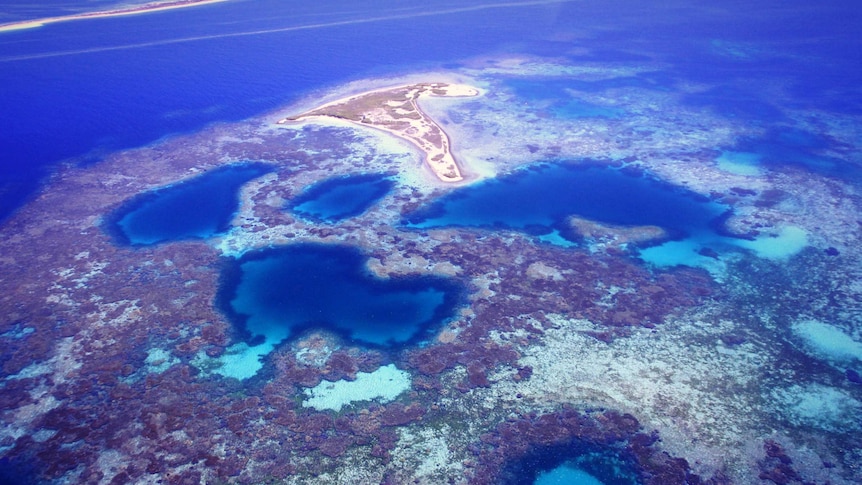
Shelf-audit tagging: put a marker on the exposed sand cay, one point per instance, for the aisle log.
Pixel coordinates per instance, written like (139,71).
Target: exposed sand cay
(396,111)
(132,10)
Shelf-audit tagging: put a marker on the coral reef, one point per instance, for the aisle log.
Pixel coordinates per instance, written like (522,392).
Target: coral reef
(107,349)
(568,429)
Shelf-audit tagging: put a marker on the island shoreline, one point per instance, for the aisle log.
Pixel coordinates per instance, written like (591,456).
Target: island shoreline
(390,114)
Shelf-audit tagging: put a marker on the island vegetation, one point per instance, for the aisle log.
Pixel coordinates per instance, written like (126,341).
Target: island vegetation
(396,111)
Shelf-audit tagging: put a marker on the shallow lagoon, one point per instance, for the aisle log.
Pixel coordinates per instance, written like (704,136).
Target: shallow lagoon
(562,103)
(198,208)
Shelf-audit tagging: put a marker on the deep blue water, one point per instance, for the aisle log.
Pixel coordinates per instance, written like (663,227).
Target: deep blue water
(340,198)
(198,208)
(537,200)
(277,293)
(783,147)
(84,88)
(17,472)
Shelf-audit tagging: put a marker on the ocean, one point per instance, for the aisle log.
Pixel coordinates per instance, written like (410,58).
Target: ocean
(76,91)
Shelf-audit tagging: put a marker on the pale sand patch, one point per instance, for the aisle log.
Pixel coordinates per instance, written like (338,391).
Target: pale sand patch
(395,110)
(132,10)
(541,271)
(382,385)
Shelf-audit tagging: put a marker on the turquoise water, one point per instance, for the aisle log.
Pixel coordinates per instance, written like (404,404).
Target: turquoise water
(567,475)
(576,463)
(740,163)
(558,95)
(340,198)
(198,208)
(277,293)
(539,199)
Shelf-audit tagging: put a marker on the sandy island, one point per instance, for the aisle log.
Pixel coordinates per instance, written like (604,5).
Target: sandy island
(396,111)
(137,9)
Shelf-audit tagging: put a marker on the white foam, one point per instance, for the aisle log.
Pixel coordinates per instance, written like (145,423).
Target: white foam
(383,385)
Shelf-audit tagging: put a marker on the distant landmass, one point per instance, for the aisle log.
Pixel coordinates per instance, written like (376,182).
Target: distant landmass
(131,10)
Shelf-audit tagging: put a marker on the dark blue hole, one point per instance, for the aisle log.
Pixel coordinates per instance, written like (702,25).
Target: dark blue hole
(194,209)
(341,198)
(279,292)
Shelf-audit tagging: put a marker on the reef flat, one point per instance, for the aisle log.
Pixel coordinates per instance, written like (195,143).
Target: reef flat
(396,110)
(738,364)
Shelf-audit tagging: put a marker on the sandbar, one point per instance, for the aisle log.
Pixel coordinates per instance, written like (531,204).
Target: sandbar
(396,111)
(131,10)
